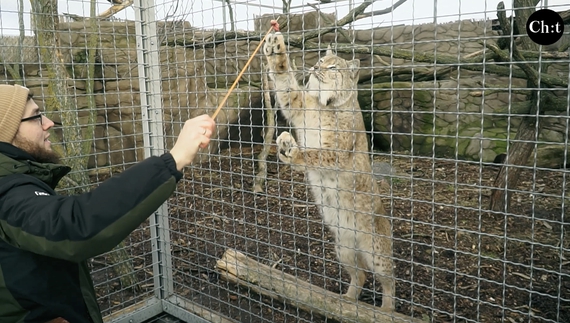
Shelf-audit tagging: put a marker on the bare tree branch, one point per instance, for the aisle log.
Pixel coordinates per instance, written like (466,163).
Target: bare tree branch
(286,6)
(356,13)
(521,61)
(353,15)
(231,13)
(565,16)
(471,63)
(381,12)
(329,21)
(350,17)
(114,9)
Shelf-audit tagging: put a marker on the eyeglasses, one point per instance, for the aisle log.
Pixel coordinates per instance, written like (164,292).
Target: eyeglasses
(39,116)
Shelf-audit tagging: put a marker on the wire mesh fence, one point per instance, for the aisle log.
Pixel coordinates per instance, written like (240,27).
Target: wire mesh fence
(456,121)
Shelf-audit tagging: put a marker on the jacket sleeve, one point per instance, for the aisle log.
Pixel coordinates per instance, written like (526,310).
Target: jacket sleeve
(76,228)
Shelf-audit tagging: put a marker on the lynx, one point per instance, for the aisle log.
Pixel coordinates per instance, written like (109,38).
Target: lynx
(333,149)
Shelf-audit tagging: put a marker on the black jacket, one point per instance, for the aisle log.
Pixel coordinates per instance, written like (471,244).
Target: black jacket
(45,238)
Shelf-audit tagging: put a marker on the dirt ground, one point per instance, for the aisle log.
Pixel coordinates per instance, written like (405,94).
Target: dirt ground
(455,260)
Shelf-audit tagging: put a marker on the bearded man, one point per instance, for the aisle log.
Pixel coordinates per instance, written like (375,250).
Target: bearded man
(46,238)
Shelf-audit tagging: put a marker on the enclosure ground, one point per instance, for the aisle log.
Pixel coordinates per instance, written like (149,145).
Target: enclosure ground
(455,260)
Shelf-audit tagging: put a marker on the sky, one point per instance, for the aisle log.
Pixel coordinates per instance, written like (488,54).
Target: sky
(210,13)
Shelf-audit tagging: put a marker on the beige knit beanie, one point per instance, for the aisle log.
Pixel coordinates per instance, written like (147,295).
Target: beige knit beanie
(13,100)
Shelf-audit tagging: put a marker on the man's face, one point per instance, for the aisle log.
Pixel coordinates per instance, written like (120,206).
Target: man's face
(32,135)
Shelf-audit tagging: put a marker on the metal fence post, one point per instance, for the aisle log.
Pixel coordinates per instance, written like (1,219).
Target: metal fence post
(151,109)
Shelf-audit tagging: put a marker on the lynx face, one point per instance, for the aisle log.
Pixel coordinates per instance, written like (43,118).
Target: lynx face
(333,79)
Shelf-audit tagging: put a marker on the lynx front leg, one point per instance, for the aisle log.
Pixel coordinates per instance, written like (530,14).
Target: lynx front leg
(276,53)
(288,93)
(288,148)
(290,153)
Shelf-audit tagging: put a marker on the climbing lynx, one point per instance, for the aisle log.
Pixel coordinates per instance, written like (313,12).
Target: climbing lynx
(333,149)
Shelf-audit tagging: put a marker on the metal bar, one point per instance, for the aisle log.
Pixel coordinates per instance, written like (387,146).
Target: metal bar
(249,4)
(225,18)
(138,312)
(188,311)
(151,106)
(435,11)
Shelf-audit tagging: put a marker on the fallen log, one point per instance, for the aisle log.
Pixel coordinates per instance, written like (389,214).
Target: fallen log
(237,268)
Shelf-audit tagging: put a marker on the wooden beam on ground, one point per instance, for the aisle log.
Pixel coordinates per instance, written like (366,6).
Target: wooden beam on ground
(262,279)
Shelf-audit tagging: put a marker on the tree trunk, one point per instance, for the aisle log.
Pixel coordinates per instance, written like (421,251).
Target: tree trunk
(58,99)
(77,144)
(508,177)
(527,8)
(15,71)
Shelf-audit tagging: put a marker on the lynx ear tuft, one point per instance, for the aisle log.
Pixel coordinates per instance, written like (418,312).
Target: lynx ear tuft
(329,50)
(354,64)
(354,67)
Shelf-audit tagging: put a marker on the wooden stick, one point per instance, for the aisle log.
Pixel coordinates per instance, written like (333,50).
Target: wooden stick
(274,26)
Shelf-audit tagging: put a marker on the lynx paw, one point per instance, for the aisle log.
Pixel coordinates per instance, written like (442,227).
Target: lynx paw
(287,146)
(274,44)
(274,49)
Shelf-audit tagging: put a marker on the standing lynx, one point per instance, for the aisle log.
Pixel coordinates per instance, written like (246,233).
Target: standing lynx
(333,149)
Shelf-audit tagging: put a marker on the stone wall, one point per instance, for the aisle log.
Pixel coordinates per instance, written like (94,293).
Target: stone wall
(451,116)
(184,77)
(460,114)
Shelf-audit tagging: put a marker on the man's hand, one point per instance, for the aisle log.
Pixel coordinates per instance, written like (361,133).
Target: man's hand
(195,134)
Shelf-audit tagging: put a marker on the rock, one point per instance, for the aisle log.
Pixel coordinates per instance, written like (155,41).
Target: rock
(383,170)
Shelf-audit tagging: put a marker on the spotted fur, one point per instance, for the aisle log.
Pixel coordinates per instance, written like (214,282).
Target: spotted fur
(332,147)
